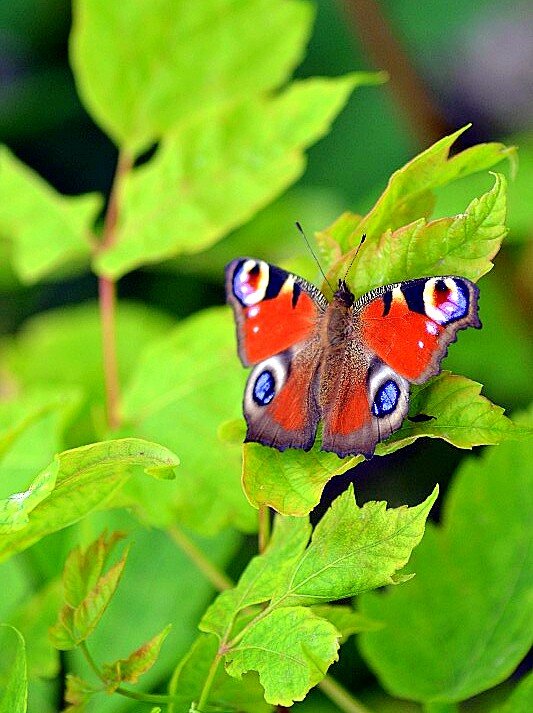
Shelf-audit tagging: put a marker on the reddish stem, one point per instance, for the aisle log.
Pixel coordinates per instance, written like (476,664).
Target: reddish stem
(107,298)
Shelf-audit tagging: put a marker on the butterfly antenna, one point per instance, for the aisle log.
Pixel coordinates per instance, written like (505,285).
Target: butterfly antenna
(314,256)
(363,238)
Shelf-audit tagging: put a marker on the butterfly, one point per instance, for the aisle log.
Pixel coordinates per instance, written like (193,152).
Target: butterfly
(348,363)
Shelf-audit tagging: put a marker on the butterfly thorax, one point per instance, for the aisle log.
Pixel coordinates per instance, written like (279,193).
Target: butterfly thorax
(339,321)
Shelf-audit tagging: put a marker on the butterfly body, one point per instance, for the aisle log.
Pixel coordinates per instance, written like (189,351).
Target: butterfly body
(346,363)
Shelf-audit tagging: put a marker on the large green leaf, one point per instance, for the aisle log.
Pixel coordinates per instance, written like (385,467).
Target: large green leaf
(186,385)
(291,649)
(452,409)
(68,341)
(143,67)
(250,153)
(352,549)
(466,621)
(13,676)
(74,484)
(227,693)
(48,231)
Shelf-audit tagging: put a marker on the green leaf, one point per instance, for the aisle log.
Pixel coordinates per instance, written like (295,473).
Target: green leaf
(13,676)
(261,577)
(251,153)
(226,694)
(183,593)
(138,662)
(291,649)
(141,68)
(460,415)
(84,567)
(271,233)
(354,549)
(182,405)
(408,195)
(292,482)
(77,482)
(462,245)
(77,694)
(76,623)
(32,618)
(345,619)
(470,604)
(520,699)
(48,231)
(68,342)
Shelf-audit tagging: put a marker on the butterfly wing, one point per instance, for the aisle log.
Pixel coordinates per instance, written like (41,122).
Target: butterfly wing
(277,316)
(400,335)
(273,309)
(411,324)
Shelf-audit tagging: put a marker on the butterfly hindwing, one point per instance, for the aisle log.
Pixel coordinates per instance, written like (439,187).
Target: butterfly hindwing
(280,399)
(274,309)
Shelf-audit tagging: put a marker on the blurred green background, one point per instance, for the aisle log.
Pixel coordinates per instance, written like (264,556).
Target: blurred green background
(450,63)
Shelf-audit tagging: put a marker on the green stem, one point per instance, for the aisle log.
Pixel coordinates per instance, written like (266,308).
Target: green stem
(204,695)
(107,298)
(264,527)
(217,578)
(340,696)
(144,697)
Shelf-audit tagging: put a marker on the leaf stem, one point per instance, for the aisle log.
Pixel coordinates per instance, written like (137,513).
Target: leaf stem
(107,297)
(340,696)
(264,527)
(217,578)
(204,695)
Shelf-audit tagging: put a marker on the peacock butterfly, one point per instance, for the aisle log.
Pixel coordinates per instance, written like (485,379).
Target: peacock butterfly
(348,362)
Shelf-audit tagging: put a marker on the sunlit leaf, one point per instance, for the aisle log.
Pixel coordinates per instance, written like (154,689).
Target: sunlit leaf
(227,693)
(13,676)
(143,67)
(470,603)
(291,649)
(463,245)
(409,193)
(77,482)
(251,154)
(48,231)
(260,578)
(353,550)
(77,694)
